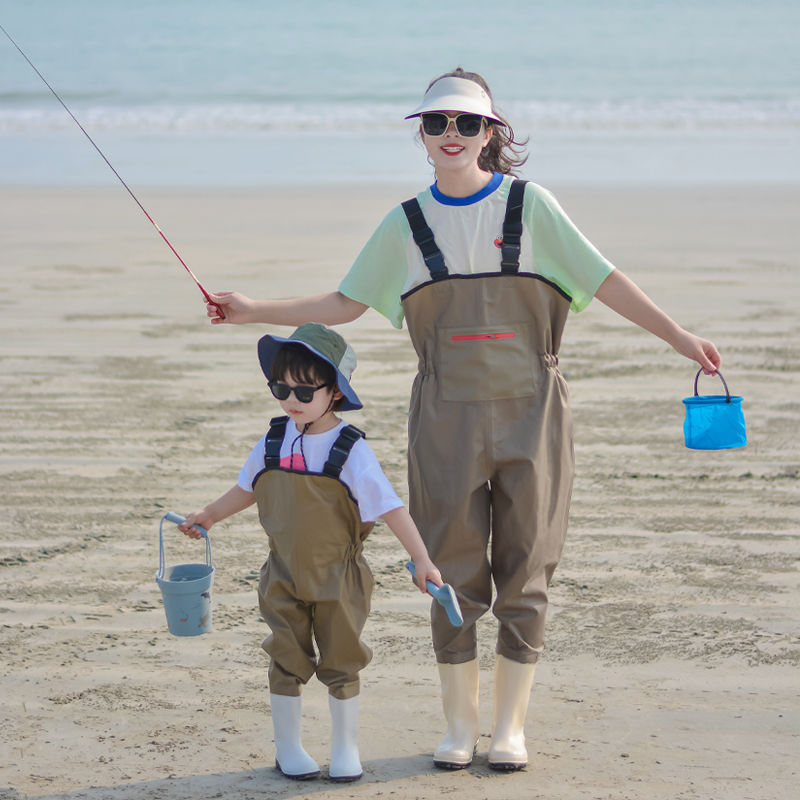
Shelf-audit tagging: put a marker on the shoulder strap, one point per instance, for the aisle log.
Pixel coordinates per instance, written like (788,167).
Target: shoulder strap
(273,442)
(423,236)
(340,450)
(512,228)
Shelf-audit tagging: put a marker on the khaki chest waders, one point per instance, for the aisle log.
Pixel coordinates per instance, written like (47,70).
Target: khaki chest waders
(315,586)
(490,439)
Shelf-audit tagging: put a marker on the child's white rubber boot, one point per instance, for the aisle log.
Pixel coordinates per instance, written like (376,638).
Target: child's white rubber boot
(345,763)
(512,692)
(460,702)
(290,756)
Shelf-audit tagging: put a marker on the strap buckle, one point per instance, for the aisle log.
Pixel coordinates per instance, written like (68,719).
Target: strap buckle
(273,442)
(340,450)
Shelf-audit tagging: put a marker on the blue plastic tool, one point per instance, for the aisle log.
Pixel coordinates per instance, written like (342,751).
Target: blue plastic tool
(444,596)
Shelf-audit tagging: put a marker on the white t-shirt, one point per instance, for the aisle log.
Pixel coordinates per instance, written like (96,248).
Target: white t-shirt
(362,474)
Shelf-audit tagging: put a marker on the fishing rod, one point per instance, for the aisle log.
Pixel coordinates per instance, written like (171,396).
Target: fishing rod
(200,286)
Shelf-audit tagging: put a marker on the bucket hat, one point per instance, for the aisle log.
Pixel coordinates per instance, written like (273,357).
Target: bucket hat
(456,94)
(322,342)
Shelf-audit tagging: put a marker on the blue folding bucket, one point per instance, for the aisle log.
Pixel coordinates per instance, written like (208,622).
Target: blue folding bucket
(185,588)
(714,421)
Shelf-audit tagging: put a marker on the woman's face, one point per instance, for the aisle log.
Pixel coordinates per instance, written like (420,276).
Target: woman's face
(450,151)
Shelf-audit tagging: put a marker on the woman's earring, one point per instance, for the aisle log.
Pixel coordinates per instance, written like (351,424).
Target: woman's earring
(428,159)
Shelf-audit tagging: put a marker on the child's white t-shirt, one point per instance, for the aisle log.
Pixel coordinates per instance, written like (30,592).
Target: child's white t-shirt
(362,474)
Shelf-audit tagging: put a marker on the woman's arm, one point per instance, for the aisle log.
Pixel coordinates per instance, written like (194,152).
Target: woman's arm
(332,308)
(622,295)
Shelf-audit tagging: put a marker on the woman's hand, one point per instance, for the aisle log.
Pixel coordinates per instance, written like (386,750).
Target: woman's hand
(700,350)
(237,308)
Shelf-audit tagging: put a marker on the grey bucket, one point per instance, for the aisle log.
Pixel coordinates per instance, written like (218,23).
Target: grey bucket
(185,588)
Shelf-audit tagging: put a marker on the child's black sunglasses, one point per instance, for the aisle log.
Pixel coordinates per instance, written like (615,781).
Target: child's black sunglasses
(305,394)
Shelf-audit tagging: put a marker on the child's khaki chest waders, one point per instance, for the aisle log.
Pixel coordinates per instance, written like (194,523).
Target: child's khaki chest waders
(490,439)
(315,586)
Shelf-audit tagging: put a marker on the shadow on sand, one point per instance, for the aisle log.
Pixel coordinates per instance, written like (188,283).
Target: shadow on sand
(267,782)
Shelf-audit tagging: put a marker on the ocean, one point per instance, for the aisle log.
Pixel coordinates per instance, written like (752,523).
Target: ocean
(256,92)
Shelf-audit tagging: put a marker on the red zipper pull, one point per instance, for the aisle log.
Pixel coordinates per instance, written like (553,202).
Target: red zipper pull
(475,337)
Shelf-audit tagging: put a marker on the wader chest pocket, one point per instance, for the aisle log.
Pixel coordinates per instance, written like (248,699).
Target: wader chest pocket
(485,363)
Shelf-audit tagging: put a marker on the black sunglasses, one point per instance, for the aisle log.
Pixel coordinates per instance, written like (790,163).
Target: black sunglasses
(305,394)
(467,125)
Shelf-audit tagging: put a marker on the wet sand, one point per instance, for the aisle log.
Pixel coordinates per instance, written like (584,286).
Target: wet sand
(674,636)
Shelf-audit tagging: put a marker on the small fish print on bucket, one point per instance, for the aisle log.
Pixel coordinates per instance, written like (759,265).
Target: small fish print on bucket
(714,421)
(185,588)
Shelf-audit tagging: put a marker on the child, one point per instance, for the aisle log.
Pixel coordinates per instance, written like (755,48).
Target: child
(484,269)
(319,489)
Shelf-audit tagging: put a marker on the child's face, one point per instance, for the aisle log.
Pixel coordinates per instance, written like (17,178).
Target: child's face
(320,407)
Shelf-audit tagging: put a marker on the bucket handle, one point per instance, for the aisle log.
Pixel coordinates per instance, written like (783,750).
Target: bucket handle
(178,520)
(727,393)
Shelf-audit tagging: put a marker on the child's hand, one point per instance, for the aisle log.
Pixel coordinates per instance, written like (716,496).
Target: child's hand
(425,570)
(201,518)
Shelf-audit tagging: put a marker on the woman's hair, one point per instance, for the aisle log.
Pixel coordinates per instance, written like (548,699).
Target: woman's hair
(303,366)
(503,153)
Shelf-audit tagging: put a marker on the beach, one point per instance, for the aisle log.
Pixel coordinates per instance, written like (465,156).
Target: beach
(673,644)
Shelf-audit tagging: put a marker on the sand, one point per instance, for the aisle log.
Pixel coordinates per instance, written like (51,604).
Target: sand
(671,668)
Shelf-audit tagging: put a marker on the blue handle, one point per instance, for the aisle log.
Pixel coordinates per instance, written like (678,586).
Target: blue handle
(178,520)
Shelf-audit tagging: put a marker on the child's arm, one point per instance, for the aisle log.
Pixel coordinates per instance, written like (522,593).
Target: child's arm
(403,527)
(622,295)
(232,502)
(332,308)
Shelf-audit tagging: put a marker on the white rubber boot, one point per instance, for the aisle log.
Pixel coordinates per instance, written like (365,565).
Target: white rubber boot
(460,702)
(290,757)
(345,763)
(512,692)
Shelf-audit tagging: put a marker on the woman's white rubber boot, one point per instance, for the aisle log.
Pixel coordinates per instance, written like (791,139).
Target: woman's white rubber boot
(290,757)
(512,692)
(345,763)
(460,702)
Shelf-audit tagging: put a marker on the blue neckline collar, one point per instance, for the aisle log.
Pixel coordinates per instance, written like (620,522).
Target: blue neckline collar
(496,180)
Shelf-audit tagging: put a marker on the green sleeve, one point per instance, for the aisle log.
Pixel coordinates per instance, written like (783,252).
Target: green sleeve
(379,274)
(561,253)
